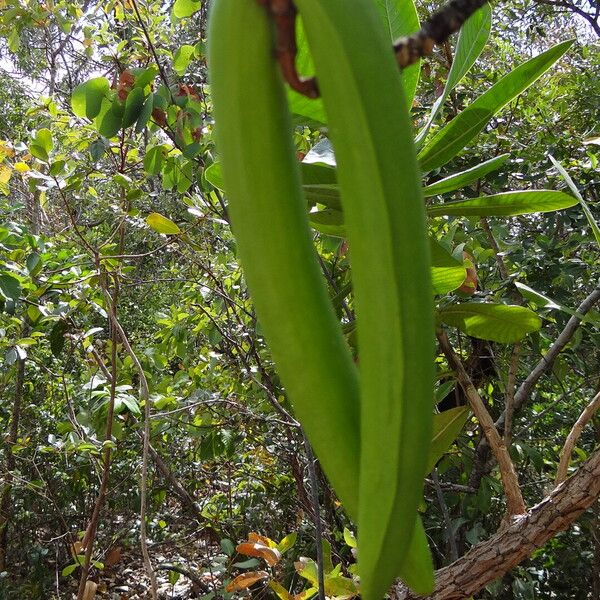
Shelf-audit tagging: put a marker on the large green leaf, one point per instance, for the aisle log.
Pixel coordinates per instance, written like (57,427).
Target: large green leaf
(329,221)
(446,427)
(447,273)
(133,106)
(10,287)
(449,141)
(473,37)
(326,194)
(320,182)
(86,99)
(506,204)
(459,180)
(186,8)
(401,19)
(496,322)
(110,119)
(183,57)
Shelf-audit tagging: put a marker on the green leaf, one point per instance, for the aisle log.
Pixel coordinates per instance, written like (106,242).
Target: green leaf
(42,144)
(154,160)
(535,297)
(97,149)
(145,77)
(162,224)
(311,110)
(57,167)
(328,221)
(586,209)
(145,114)
(43,138)
(326,194)
(182,59)
(307,568)
(227,546)
(287,542)
(450,140)
(447,273)
(506,204)
(459,180)
(472,38)
(446,427)
(186,8)
(496,322)
(214,176)
(280,591)
(401,19)
(338,586)
(247,564)
(34,264)
(133,107)
(350,538)
(69,569)
(417,569)
(86,99)
(10,287)
(57,337)
(110,118)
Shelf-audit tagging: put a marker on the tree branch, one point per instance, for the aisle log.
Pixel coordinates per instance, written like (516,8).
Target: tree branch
(548,359)
(491,559)
(514,499)
(565,454)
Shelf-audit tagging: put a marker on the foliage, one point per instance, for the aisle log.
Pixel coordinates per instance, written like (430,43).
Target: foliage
(112,198)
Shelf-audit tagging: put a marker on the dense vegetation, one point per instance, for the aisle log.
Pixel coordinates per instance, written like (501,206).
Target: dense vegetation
(148,441)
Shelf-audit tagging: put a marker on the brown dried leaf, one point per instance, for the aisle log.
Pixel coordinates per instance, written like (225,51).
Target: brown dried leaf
(270,555)
(245,580)
(113,556)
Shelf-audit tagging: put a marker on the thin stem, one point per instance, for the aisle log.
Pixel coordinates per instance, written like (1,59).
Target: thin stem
(314,493)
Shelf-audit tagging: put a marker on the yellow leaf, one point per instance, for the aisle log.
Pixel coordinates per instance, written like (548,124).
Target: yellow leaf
(5,173)
(162,224)
(6,150)
(21,167)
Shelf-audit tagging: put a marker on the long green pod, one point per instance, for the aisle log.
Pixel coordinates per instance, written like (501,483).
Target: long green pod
(268,212)
(385,221)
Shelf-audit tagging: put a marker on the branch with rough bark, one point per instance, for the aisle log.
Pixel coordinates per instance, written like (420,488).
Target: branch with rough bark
(514,499)
(491,559)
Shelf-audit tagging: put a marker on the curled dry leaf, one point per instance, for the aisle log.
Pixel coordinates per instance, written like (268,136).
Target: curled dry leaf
(245,580)
(270,555)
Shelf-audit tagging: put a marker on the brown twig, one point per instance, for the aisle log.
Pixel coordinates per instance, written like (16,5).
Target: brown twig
(514,499)
(565,454)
